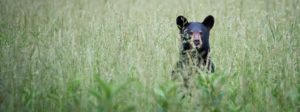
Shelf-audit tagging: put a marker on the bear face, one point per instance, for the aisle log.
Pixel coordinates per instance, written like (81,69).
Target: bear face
(195,35)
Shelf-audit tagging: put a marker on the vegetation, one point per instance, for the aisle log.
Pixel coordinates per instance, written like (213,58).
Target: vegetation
(117,55)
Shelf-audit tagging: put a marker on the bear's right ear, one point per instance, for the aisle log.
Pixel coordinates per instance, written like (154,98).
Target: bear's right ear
(209,21)
(181,22)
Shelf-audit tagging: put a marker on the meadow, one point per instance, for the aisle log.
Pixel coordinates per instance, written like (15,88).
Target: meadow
(117,56)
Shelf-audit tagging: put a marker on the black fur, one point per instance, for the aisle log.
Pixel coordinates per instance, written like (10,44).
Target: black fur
(194,57)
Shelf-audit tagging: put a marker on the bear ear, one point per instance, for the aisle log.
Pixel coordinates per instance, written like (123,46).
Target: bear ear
(181,22)
(209,21)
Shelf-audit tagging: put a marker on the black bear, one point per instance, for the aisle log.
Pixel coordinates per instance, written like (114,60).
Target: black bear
(194,49)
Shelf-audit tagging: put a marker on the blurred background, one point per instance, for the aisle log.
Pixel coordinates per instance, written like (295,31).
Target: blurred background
(117,55)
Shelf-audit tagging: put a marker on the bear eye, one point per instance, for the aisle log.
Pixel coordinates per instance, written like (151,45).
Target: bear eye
(186,36)
(200,33)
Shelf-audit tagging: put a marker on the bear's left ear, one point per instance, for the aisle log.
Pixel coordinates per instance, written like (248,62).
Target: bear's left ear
(209,21)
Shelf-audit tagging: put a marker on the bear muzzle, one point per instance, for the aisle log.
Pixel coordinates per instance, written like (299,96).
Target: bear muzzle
(197,39)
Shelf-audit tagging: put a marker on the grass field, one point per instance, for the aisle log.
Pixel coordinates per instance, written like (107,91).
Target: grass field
(117,55)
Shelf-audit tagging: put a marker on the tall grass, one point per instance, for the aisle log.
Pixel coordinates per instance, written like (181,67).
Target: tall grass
(112,55)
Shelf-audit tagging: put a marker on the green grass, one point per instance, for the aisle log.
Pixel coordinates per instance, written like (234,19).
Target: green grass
(117,55)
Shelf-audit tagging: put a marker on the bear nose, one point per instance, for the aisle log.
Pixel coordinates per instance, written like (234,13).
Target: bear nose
(197,38)
(196,42)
